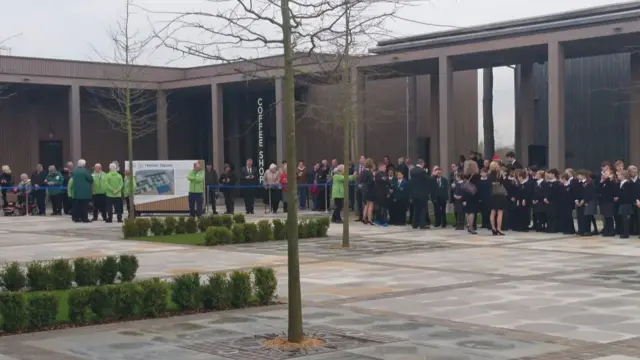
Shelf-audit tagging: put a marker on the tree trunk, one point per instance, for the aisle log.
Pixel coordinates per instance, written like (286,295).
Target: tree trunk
(347,116)
(487,113)
(296,334)
(132,214)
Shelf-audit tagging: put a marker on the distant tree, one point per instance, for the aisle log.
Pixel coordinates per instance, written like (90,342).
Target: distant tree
(125,105)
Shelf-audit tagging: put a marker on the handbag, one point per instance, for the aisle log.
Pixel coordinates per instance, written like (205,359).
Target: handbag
(498,189)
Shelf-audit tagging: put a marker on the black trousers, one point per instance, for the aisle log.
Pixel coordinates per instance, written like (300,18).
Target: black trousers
(440,213)
(608,229)
(552,218)
(485,212)
(229,202)
(634,222)
(565,222)
(212,200)
(80,210)
(337,210)
(272,198)
(398,213)
(66,203)
(525,217)
(114,204)
(195,204)
(4,197)
(56,203)
(41,196)
(419,213)
(249,200)
(99,206)
(540,220)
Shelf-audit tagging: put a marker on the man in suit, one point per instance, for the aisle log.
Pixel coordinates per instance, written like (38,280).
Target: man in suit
(359,191)
(419,194)
(439,197)
(249,177)
(512,163)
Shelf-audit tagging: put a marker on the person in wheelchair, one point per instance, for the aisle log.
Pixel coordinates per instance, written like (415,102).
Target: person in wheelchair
(26,200)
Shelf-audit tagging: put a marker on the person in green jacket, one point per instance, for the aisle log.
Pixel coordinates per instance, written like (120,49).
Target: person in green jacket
(81,192)
(54,181)
(196,188)
(337,192)
(99,193)
(127,190)
(113,184)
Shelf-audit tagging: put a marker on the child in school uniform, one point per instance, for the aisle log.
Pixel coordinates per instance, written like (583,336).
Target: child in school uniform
(469,202)
(511,212)
(483,195)
(458,208)
(525,197)
(606,193)
(565,206)
(539,207)
(551,200)
(625,198)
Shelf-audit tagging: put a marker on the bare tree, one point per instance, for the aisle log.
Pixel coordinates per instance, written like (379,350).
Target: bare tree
(237,32)
(127,105)
(5,92)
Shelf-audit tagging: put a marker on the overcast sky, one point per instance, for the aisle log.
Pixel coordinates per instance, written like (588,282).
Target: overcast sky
(75,30)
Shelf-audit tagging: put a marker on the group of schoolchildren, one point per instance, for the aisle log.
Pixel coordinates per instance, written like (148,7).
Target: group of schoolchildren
(545,200)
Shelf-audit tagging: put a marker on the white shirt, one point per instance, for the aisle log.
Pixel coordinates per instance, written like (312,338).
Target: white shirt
(525,181)
(622,183)
(540,181)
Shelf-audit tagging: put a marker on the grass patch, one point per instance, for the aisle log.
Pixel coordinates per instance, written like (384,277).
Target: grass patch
(180,239)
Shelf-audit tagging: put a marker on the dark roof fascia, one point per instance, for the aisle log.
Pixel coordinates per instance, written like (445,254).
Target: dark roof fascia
(509,32)
(545,19)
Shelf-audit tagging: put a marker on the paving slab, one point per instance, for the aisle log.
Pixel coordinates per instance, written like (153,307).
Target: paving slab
(502,261)
(397,293)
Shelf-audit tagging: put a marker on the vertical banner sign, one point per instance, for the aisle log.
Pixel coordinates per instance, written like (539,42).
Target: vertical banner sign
(260,112)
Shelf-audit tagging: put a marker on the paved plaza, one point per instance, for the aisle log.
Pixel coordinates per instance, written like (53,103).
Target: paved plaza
(397,294)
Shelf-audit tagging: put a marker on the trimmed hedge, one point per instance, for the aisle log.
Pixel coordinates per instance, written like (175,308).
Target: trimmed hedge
(228,229)
(60,274)
(21,312)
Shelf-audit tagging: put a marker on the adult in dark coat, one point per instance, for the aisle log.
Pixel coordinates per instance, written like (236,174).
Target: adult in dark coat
(249,178)
(82,193)
(419,193)
(38,182)
(228,180)
(211,183)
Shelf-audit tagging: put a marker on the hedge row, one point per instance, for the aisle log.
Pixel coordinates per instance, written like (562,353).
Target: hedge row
(180,225)
(224,229)
(264,230)
(134,300)
(61,274)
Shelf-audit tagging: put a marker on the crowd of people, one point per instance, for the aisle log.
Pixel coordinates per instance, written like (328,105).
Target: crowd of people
(75,191)
(499,195)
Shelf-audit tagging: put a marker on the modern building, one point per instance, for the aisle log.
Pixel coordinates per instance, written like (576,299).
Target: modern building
(564,116)
(415,96)
(56,113)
